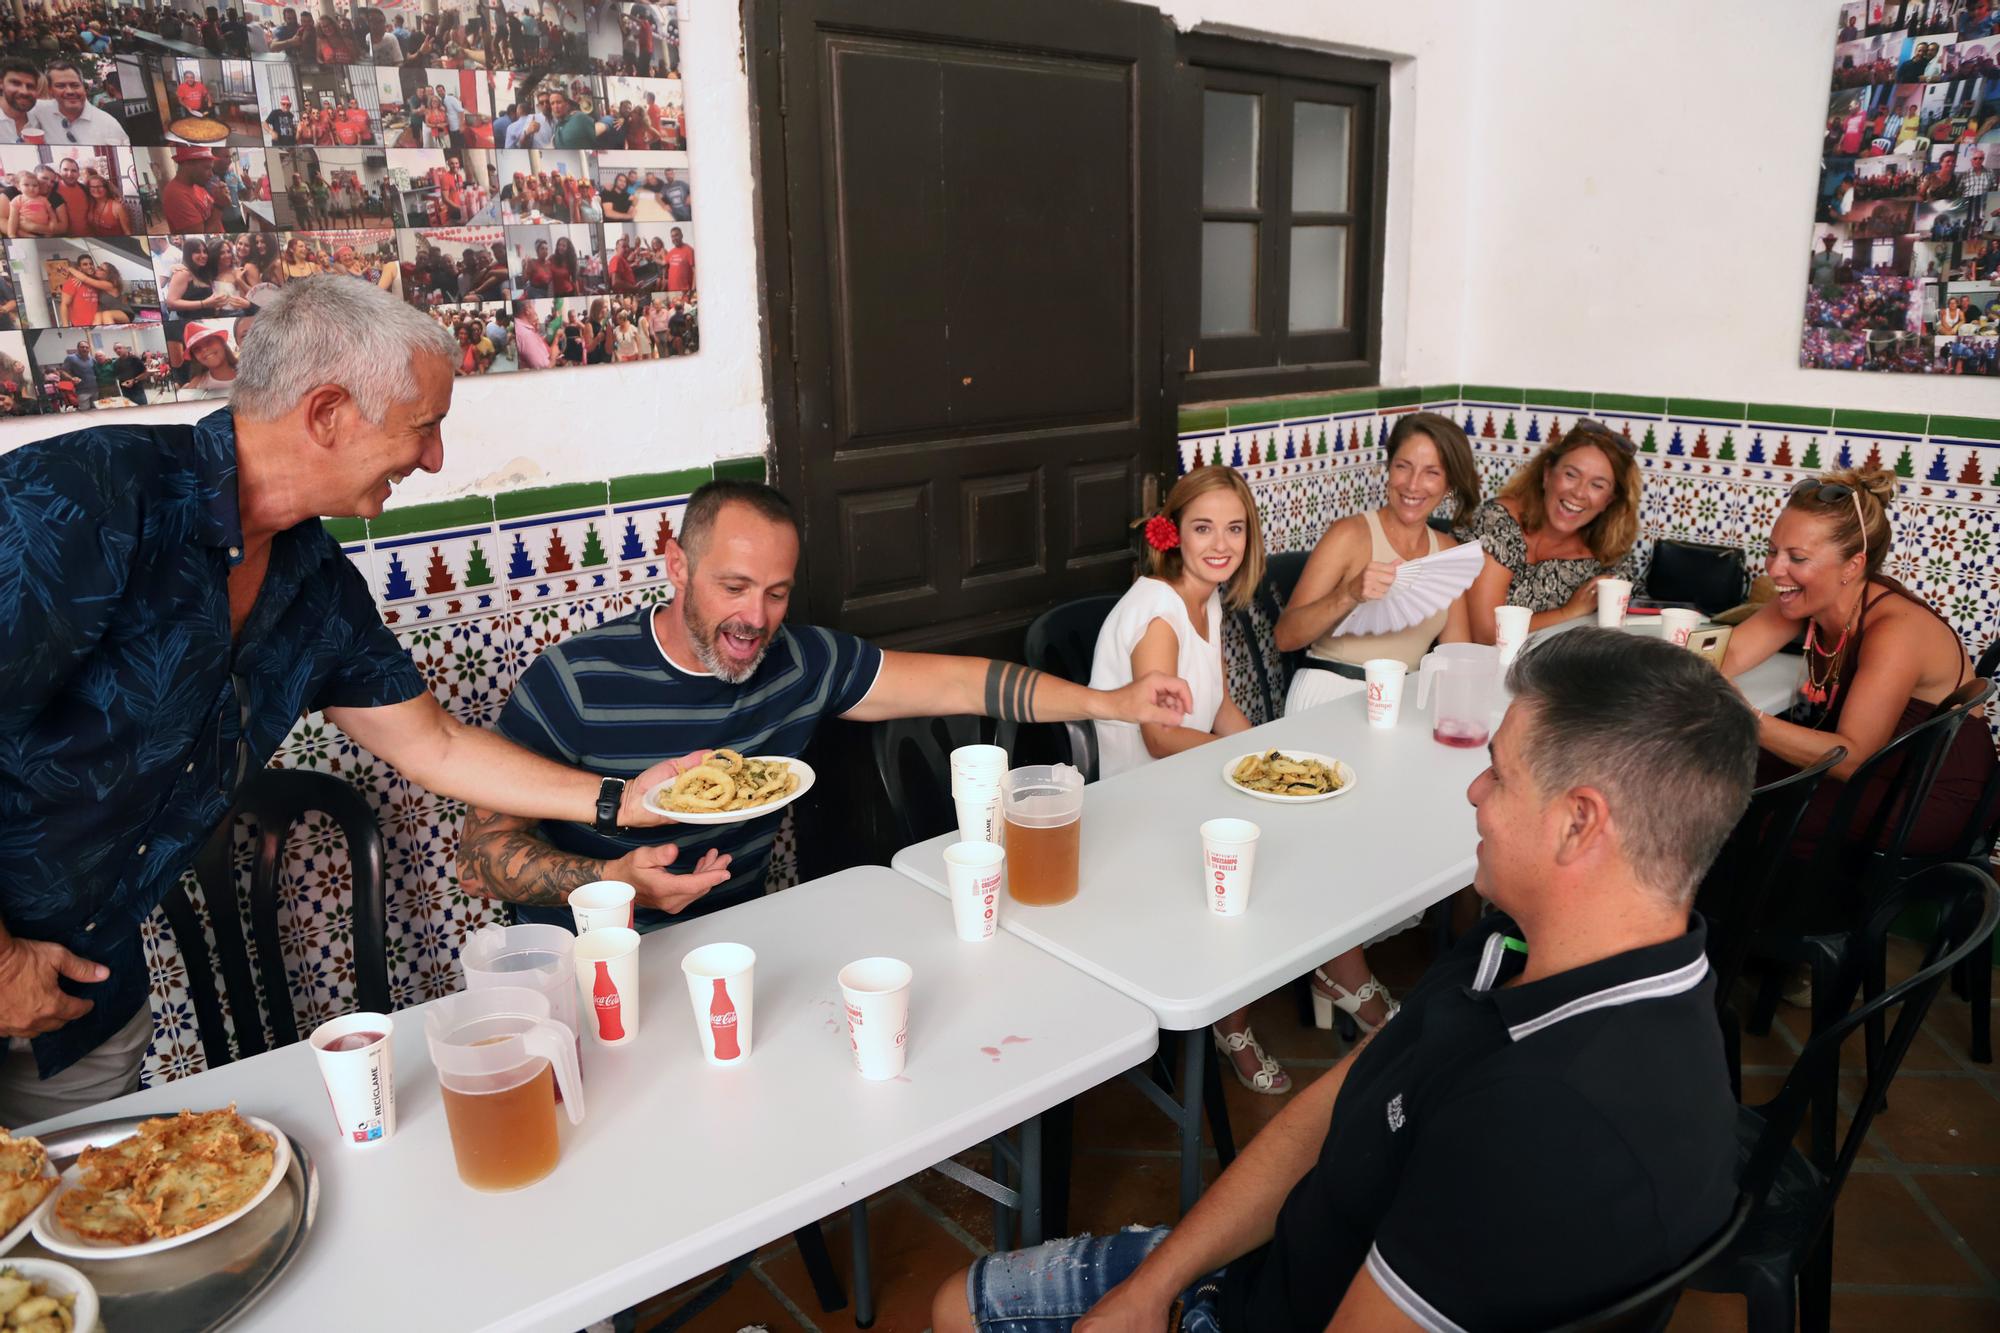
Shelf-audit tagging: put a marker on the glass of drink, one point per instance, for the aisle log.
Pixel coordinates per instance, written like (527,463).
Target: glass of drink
(500,1059)
(1044,809)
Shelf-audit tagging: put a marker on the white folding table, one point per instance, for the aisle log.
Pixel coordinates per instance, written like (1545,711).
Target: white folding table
(679,1167)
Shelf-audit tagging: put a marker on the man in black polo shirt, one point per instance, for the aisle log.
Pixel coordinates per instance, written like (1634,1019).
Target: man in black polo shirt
(1547,1123)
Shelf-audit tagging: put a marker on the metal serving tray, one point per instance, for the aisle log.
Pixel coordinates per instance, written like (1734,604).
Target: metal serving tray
(206,1284)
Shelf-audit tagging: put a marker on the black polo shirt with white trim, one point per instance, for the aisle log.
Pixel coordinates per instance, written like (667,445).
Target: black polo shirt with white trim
(1511,1156)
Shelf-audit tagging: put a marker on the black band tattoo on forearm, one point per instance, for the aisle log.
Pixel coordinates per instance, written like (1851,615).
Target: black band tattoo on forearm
(496,861)
(1010,692)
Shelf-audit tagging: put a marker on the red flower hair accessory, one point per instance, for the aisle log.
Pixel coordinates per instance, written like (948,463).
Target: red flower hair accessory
(1161,534)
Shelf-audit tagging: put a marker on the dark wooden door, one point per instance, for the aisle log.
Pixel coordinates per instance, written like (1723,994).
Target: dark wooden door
(962,250)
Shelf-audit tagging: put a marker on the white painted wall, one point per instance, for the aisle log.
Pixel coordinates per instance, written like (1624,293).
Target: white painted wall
(1642,205)
(585,425)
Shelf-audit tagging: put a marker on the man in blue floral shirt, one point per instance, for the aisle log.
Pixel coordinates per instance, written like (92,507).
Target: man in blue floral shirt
(172,606)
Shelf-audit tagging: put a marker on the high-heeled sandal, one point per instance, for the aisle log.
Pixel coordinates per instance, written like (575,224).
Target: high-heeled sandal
(1270,1078)
(1348,1002)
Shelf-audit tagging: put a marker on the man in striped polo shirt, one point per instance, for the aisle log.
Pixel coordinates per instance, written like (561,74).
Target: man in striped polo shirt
(716,668)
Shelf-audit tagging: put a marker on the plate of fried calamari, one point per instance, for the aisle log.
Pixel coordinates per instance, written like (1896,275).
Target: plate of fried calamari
(1292,778)
(177,1179)
(727,788)
(27,1178)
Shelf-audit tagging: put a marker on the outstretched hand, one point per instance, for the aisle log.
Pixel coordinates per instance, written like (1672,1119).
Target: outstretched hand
(632,811)
(645,869)
(1156,697)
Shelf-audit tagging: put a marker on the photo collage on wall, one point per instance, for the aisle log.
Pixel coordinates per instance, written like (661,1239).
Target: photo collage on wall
(1905,267)
(516,168)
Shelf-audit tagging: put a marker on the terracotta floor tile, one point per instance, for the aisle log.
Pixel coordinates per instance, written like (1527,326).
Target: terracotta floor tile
(1950,1021)
(1708,1312)
(1108,1192)
(964,1206)
(1881,1235)
(1950,1120)
(1971,1204)
(1853,1313)
(910,1252)
(1114,1114)
(748,1302)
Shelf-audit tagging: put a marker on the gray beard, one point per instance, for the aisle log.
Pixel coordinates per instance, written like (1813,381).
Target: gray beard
(701,637)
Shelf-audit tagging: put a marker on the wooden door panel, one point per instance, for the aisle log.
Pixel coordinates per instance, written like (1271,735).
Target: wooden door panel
(1001,523)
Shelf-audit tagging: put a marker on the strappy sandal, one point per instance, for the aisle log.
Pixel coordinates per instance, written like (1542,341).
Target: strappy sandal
(1270,1078)
(1336,996)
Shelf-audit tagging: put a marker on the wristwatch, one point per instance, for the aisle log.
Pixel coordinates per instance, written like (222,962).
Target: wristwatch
(610,796)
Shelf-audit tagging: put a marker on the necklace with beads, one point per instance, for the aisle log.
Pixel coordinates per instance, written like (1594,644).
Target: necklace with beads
(1820,687)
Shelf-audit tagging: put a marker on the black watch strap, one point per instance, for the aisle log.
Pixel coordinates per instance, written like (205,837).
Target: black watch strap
(610,796)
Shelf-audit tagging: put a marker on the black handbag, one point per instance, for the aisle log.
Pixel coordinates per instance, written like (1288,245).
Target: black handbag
(1712,578)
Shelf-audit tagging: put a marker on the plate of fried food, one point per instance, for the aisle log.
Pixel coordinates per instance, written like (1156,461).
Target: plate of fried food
(177,1179)
(728,788)
(26,1180)
(1290,778)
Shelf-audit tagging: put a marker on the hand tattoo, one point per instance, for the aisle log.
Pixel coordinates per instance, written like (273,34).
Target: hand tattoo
(1010,692)
(498,859)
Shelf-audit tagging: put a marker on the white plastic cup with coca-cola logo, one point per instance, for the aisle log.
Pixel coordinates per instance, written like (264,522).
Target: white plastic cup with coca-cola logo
(720,978)
(607,979)
(1384,678)
(974,871)
(1228,857)
(875,992)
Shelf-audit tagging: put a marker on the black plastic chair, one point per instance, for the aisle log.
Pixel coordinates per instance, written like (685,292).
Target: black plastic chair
(913,758)
(1274,593)
(1711,578)
(274,800)
(1738,884)
(1974,979)
(1062,641)
(1783,1259)
(1649,1309)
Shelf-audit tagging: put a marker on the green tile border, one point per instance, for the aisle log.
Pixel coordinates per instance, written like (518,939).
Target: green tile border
(550,500)
(1715,409)
(1196,420)
(1966,428)
(1487,393)
(1439,393)
(1900,423)
(1628,404)
(1779,414)
(747,468)
(1576,400)
(468,511)
(658,485)
(1393,398)
(1256,414)
(345,530)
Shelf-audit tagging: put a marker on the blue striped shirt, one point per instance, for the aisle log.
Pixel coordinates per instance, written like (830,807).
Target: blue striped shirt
(609,701)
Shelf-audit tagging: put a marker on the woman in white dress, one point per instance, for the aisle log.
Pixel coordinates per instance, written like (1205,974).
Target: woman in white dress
(1355,562)
(1206,549)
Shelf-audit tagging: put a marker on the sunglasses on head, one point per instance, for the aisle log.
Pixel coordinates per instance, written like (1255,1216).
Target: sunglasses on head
(1592,426)
(1833,493)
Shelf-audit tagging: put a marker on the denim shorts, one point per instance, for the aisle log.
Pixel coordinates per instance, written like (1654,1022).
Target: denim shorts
(1048,1288)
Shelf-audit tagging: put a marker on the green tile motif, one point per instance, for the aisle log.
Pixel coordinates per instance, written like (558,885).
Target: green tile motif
(442,515)
(1629,404)
(1486,393)
(658,485)
(1392,398)
(345,530)
(1774,414)
(1575,400)
(1715,409)
(750,468)
(1439,393)
(1194,419)
(1966,428)
(549,500)
(1899,423)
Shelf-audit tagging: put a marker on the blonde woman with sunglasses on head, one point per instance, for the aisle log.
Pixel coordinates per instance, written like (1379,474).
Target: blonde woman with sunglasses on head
(1567,518)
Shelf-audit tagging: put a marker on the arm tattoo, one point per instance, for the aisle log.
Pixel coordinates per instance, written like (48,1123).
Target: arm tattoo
(1010,691)
(498,860)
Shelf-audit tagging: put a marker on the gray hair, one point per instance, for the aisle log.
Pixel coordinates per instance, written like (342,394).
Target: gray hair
(1656,729)
(333,329)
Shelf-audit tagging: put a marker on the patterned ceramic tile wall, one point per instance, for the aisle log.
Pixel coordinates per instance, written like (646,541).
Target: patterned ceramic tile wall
(473,588)
(1715,472)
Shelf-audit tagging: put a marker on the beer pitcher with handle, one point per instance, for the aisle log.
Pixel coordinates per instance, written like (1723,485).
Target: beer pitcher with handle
(500,1060)
(539,957)
(1467,678)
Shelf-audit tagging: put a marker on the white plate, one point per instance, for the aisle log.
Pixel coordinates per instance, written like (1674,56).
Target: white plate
(62,1280)
(54,1236)
(1339,767)
(799,766)
(21,1228)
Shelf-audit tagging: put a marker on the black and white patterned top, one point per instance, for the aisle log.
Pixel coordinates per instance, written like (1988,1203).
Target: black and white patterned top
(1544,585)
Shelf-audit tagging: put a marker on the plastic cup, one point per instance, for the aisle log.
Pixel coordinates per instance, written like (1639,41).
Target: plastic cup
(979,765)
(1385,690)
(720,978)
(1228,856)
(1510,631)
(876,992)
(1612,597)
(973,871)
(607,978)
(1676,623)
(601,903)
(357,1061)
(979,818)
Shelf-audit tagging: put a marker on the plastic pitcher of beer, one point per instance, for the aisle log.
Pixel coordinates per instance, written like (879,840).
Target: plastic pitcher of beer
(1467,679)
(500,1059)
(538,957)
(1043,804)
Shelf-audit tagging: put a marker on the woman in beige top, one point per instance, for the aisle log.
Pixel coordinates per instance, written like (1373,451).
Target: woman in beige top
(1355,562)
